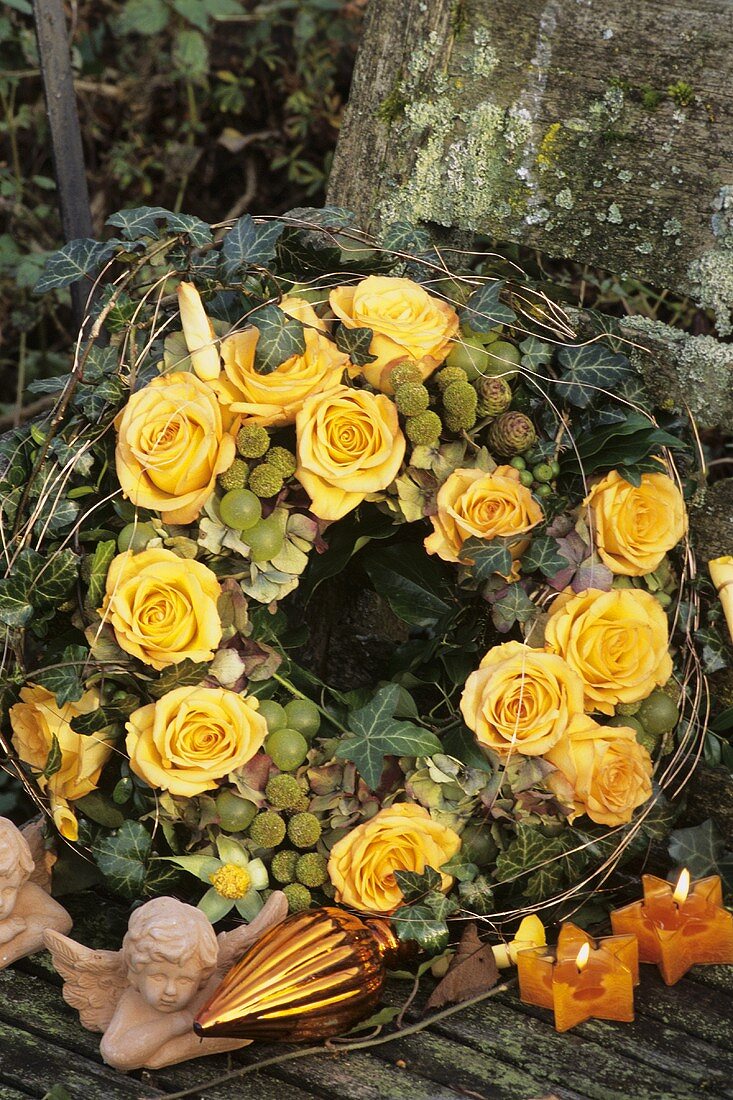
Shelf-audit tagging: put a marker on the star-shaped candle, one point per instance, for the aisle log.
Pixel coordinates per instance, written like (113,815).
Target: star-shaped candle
(581,978)
(678,925)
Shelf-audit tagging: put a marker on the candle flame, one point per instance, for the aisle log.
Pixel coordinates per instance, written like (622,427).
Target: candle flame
(682,888)
(583,955)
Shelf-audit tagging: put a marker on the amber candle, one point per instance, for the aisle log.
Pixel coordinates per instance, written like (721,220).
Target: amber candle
(581,978)
(680,925)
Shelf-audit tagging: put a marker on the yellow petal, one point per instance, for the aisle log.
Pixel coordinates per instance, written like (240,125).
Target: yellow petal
(721,573)
(200,337)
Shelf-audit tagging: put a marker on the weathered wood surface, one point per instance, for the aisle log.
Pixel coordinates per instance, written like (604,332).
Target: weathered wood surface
(679,1048)
(598,130)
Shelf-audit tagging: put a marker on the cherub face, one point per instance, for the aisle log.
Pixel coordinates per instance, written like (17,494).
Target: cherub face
(167,986)
(9,889)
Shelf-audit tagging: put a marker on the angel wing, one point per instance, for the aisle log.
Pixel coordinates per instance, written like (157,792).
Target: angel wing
(232,945)
(44,860)
(94,981)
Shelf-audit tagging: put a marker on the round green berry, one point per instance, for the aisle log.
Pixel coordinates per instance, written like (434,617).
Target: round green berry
(543,491)
(283,792)
(266,480)
(283,460)
(299,897)
(274,714)
(265,540)
(404,374)
(312,869)
(283,865)
(287,749)
(423,429)
(470,355)
(503,358)
(448,375)
(543,472)
(658,713)
(518,463)
(236,477)
(240,509)
(267,830)
(235,813)
(304,830)
(135,537)
(526,478)
(626,722)
(411,398)
(303,715)
(252,441)
(555,467)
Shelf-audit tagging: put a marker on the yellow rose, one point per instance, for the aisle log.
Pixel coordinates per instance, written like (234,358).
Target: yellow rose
(603,771)
(191,737)
(408,324)
(171,445)
(163,608)
(616,641)
(198,333)
(349,445)
(402,837)
(35,721)
(721,574)
(521,699)
(634,525)
(274,399)
(473,504)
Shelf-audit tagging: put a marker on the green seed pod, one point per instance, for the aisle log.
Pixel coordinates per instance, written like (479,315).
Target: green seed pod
(283,865)
(411,398)
(304,830)
(494,396)
(511,433)
(448,375)
(312,869)
(236,477)
(267,830)
(299,897)
(265,480)
(423,429)
(252,441)
(404,374)
(283,460)
(284,792)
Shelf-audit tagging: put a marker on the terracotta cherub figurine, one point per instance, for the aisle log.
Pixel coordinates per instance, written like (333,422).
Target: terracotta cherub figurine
(26,910)
(144,998)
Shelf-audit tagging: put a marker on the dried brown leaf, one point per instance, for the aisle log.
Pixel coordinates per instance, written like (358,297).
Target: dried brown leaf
(472,971)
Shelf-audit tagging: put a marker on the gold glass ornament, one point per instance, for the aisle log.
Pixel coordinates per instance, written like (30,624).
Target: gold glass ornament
(313,976)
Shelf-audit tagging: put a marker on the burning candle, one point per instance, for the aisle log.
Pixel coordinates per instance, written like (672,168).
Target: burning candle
(678,925)
(581,978)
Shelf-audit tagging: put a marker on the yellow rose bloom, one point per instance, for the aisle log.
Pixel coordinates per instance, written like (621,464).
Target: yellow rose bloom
(521,699)
(163,608)
(349,445)
(402,837)
(635,525)
(193,736)
(616,641)
(35,721)
(274,399)
(721,574)
(198,333)
(409,325)
(171,445)
(473,504)
(603,771)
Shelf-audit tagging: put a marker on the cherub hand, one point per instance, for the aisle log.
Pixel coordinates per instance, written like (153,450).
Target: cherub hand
(11,928)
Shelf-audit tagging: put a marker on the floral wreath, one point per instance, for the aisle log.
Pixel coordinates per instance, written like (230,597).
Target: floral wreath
(272,406)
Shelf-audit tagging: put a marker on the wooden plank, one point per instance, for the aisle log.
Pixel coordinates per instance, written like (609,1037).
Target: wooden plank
(551,123)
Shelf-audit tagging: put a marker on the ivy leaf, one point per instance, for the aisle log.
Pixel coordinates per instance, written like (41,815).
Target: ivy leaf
(485,311)
(539,864)
(589,371)
(417,923)
(543,555)
(155,221)
(101,561)
(186,673)
(535,353)
(280,338)
(98,807)
(54,759)
(35,584)
(142,17)
(415,884)
(485,558)
(16,610)
(355,342)
(413,585)
(513,607)
(74,261)
(377,733)
(122,857)
(248,243)
(111,714)
(700,849)
(403,236)
(65,680)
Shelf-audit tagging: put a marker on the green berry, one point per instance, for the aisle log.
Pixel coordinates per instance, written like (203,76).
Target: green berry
(265,480)
(135,537)
(283,865)
(448,375)
(627,722)
(240,509)
(287,749)
(543,472)
(543,491)
(503,359)
(312,869)
(518,463)
(283,460)
(299,897)
(423,429)
(470,355)
(267,830)
(303,715)
(555,467)
(526,478)
(658,713)
(236,477)
(235,813)
(274,714)
(411,398)
(304,830)
(252,441)
(404,374)
(283,792)
(265,540)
